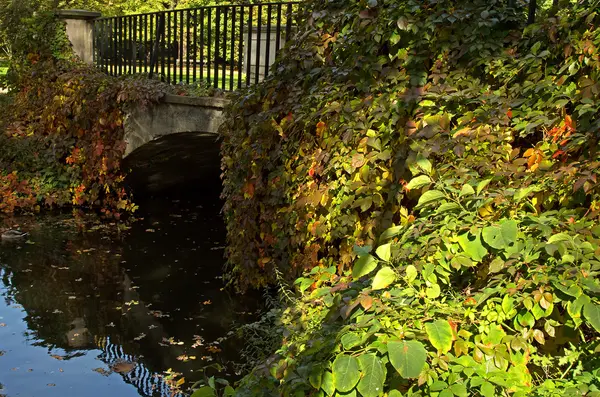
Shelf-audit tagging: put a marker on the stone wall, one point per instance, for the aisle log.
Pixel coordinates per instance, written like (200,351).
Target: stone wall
(175,114)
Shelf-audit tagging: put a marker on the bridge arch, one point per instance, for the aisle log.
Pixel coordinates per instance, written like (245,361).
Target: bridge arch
(173,115)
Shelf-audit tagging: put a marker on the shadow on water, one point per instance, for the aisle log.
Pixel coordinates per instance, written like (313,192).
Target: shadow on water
(95,312)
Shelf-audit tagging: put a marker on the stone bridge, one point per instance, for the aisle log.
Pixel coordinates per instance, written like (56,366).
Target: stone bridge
(173,115)
(173,142)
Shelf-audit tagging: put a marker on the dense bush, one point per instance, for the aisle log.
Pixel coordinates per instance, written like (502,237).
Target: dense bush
(63,143)
(463,145)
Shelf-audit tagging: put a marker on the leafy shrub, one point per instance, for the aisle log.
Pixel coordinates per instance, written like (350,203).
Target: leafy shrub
(463,145)
(64,139)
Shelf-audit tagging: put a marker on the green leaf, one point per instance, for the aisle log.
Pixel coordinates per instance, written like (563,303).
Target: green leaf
(228,391)
(496,265)
(447,207)
(384,278)
(424,164)
(472,246)
(559,237)
(482,185)
(346,373)
(467,190)
(394,393)
(384,251)
(391,232)
(459,390)
(327,383)
(502,236)
(364,265)
(440,335)
(591,311)
(371,383)
(433,292)
(316,376)
(407,357)
(350,340)
(411,273)
(418,182)
(204,391)
(429,197)
(487,389)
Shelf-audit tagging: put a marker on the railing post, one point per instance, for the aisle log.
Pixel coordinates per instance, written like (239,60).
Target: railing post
(80,31)
(532,10)
(160,34)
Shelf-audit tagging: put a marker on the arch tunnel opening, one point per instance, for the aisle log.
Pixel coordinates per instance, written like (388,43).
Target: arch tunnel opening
(181,164)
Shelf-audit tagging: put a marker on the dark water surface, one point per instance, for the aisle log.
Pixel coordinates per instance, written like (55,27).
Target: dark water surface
(105,313)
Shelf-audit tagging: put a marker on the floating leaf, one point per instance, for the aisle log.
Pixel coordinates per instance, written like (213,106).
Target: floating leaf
(440,335)
(407,357)
(346,373)
(371,383)
(384,278)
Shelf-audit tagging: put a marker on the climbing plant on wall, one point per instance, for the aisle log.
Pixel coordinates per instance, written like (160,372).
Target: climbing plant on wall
(431,169)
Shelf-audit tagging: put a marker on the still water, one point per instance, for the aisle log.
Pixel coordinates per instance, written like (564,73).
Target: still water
(94,311)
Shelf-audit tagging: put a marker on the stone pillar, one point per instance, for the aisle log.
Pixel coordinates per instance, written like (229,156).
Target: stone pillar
(251,38)
(80,31)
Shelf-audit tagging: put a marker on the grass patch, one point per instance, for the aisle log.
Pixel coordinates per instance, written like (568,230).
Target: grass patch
(3,68)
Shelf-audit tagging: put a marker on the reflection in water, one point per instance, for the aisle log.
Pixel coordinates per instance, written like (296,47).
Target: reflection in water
(97,313)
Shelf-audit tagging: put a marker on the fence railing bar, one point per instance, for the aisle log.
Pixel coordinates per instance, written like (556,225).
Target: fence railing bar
(168,46)
(249,53)
(175,48)
(232,50)
(188,46)
(216,58)
(278,41)
(531,13)
(241,47)
(258,33)
(230,42)
(154,54)
(204,7)
(208,58)
(202,44)
(180,45)
(195,43)
(288,23)
(224,58)
(268,44)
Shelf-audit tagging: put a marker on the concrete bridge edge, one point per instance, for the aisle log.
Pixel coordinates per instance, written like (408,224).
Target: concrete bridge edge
(174,114)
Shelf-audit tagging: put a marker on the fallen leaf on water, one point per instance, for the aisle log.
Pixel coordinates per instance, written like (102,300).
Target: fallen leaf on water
(213,349)
(150,230)
(186,358)
(123,367)
(102,371)
(2,324)
(140,337)
(56,356)
(208,302)
(51,384)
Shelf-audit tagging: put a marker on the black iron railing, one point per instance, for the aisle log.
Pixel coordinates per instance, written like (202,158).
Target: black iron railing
(226,46)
